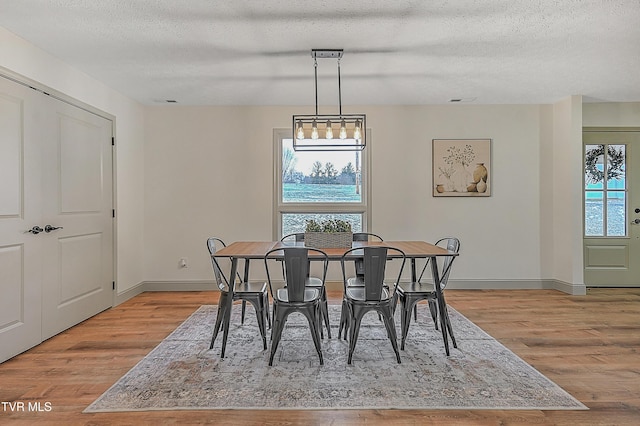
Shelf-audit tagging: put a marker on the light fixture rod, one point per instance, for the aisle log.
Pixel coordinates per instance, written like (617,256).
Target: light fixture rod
(352,127)
(339,88)
(315,68)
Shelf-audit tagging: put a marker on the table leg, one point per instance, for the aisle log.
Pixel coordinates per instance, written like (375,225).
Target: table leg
(414,275)
(246,280)
(414,279)
(227,313)
(441,306)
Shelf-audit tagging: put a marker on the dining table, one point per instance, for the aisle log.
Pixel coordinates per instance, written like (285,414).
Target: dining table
(252,250)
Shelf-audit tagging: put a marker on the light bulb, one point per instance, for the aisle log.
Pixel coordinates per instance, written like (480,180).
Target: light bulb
(357,132)
(329,133)
(300,130)
(314,130)
(343,130)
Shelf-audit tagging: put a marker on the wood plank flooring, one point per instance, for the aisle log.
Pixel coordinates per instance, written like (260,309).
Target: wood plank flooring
(589,345)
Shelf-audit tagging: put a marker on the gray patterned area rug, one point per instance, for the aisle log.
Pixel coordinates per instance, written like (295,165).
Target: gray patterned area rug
(181,373)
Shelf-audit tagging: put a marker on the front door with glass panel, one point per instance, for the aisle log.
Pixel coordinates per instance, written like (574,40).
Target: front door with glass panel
(612,207)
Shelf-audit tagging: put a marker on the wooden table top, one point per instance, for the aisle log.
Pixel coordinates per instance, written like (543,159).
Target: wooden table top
(246,249)
(257,249)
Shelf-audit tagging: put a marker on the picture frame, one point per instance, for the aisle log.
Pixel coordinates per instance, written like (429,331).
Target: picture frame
(461,167)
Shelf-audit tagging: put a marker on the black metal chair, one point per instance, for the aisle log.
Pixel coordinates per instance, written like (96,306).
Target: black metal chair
(252,292)
(296,295)
(411,293)
(315,282)
(375,295)
(358,279)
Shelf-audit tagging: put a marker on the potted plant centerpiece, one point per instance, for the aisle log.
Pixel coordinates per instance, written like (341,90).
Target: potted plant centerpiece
(333,233)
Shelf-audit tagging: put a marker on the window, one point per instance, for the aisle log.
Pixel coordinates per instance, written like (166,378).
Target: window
(320,186)
(605,195)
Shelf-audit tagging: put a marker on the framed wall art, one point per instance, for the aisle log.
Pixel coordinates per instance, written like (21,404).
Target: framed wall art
(461,167)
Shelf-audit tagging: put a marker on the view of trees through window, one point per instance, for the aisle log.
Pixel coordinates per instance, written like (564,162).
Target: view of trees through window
(320,185)
(605,191)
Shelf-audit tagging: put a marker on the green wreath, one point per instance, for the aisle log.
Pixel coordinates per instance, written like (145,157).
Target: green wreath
(616,164)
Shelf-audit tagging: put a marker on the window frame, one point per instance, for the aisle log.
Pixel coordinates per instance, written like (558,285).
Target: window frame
(605,191)
(279,208)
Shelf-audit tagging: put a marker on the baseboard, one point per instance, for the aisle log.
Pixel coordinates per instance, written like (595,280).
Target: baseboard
(198,285)
(205,285)
(547,284)
(128,294)
(572,289)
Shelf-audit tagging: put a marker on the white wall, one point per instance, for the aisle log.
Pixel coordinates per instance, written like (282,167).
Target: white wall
(567,191)
(185,173)
(21,57)
(608,114)
(547,192)
(209,171)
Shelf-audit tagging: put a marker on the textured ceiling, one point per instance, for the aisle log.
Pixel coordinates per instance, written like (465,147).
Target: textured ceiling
(242,52)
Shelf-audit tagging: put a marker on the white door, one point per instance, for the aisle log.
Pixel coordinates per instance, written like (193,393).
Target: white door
(56,170)
(612,207)
(20,252)
(78,257)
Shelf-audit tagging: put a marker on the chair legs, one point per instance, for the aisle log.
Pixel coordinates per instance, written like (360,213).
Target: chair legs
(433,308)
(324,311)
(447,321)
(357,312)
(280,314)
(344,320)
(409,305)
(223,316)
(222,307)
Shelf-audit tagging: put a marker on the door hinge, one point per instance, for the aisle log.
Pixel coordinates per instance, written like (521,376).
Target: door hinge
(113,285)
(113,212)
(113,141)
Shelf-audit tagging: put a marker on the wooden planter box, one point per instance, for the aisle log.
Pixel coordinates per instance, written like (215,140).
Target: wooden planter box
(328,239)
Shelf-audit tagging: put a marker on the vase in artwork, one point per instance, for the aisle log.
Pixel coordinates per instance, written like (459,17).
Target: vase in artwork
(481,186)
(480,173)
(461,178)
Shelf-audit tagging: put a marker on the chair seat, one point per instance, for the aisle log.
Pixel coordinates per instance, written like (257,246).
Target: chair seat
(358,294)
(313,282)
(310,294)
(417,288)
(357,281)
(250,287)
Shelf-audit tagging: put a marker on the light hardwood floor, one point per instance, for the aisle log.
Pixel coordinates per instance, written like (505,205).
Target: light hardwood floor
(589,345)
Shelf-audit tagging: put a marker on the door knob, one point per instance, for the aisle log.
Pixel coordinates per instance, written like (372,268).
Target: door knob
(35,230)
(635,222)
(49,228)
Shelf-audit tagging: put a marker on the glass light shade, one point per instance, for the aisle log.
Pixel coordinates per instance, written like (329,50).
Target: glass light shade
(321,132)
(300,130)
(343,130)
(357,131)
(329,132)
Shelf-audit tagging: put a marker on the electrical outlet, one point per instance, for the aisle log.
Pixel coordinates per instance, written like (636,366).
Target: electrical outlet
(183,262)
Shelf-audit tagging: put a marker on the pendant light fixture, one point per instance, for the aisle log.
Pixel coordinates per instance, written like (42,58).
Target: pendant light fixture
(317,132)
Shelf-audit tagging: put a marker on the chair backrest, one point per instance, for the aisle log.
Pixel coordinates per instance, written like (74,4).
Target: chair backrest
(366,236)
(298,237)
(295,269)
(453,245)
(363,236)
(221,280)
(375,260)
